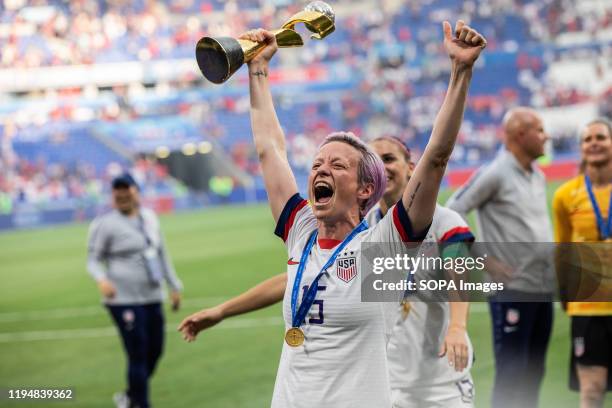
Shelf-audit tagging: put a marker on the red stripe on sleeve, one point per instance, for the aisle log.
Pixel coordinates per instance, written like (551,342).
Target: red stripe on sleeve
(399,226)
(454,231)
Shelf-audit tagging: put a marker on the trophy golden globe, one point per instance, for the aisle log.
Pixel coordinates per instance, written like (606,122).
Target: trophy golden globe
(219,58)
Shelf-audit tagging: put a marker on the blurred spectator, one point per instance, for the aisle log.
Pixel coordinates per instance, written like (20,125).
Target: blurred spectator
(391,54)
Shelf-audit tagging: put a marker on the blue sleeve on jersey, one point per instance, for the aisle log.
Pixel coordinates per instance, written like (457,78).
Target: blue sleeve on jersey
(404,226)
(287,217)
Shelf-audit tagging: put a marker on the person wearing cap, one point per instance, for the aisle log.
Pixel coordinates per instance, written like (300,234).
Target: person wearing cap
(128,260)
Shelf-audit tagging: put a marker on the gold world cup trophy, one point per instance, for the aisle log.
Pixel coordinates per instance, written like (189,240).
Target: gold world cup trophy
(219,58)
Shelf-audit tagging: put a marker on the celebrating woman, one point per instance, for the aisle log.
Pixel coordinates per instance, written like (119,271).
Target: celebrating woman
(429,352)
(334,353)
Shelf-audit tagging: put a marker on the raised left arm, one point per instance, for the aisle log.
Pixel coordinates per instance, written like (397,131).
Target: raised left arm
(419,198)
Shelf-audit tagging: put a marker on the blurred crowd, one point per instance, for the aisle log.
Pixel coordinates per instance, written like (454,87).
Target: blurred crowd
(42,33)
(58,32)
(40,183)
(389,49)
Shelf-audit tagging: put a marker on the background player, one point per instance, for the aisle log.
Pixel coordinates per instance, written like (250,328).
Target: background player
(418,373)
(318,365)
(581,209)
(426,331)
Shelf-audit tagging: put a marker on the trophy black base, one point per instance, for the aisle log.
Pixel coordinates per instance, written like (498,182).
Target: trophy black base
(219,58)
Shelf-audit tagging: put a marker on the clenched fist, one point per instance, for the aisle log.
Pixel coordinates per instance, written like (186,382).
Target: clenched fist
(465,45)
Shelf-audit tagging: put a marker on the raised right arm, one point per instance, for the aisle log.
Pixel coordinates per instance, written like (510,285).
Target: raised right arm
(268,135)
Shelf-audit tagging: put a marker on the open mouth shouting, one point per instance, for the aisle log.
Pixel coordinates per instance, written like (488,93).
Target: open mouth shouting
(323,193)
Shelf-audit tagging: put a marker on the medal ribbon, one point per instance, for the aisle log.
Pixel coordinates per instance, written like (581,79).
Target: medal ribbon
(605,228)
(297,317)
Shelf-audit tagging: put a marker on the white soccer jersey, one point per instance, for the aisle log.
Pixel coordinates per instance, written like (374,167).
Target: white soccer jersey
(374,216)
(419,378)
(343,361)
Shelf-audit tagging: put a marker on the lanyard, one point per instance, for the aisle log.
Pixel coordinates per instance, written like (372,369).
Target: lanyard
(297,317)
(605,228)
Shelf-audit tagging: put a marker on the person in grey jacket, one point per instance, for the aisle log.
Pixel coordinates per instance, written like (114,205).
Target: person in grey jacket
(127,258)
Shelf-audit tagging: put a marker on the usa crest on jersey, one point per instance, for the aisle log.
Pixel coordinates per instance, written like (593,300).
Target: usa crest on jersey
(346,268)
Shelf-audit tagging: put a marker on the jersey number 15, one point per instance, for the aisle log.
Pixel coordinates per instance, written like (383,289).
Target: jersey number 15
(318,302)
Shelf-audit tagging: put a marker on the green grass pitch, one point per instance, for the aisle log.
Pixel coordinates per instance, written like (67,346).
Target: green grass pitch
(54,333)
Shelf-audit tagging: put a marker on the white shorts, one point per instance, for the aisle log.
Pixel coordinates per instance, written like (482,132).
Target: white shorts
(458,394)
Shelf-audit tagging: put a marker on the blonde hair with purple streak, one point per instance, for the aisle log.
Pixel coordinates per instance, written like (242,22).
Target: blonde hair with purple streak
(370,170)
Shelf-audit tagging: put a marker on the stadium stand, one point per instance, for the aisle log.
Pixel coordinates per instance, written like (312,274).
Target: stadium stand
(104,82)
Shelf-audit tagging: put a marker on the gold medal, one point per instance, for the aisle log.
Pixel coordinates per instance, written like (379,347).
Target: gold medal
(294,337)
(405,308)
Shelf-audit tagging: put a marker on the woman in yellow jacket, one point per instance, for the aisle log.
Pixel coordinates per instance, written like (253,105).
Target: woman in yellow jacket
(582,213)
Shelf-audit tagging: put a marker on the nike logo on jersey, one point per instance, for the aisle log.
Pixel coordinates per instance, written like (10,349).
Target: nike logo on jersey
(292,262)
(510,329)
